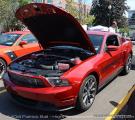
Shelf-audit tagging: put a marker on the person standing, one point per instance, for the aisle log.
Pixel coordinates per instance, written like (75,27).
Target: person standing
(113,27)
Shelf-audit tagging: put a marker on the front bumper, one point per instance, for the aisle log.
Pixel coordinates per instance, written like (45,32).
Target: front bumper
(58,98)
(44,106)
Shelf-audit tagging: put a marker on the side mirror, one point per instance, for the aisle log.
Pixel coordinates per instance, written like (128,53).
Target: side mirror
(23,43)
(112,48)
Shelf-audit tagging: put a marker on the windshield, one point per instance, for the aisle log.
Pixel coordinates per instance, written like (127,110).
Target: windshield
(8,39)
(97,41)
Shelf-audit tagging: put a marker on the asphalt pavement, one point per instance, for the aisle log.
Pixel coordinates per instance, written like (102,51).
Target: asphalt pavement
(106,100)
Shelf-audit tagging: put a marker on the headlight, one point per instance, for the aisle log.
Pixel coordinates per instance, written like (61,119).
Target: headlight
(56,81)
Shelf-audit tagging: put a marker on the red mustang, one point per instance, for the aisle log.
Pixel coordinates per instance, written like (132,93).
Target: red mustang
(73,66)
(16,44)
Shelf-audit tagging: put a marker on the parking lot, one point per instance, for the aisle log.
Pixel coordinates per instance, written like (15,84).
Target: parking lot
(105,101)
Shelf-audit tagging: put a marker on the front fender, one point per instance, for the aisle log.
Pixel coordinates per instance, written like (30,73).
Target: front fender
(78,73)
(5,58)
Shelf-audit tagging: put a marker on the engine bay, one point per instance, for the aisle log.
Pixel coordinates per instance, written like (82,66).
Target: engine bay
(49,63)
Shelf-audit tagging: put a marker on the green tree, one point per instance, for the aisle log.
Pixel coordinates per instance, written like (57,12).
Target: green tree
(7,10)
(70,8)
(24,2)
(88,20)
(73,9)
(7,13)
(105,16)
(124,30)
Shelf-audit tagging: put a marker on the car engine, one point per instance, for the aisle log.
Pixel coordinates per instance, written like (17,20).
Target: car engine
(49,63)
(46,65)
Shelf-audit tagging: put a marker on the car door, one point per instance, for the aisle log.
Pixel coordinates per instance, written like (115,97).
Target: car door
(116,55)
(111,60)
(30,46)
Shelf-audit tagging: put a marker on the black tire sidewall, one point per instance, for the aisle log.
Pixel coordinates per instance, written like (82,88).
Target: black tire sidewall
(80,105)
(126,70)
(4,63)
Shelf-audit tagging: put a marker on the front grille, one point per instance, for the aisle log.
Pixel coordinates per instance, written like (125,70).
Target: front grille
(25,81)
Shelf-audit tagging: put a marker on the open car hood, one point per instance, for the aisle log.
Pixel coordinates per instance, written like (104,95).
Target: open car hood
(53,26)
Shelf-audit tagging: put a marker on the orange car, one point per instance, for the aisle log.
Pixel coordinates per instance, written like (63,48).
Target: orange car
(16,44)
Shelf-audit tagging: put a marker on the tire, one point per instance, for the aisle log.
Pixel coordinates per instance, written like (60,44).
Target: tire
(127,66)
(3,67)
(87,93)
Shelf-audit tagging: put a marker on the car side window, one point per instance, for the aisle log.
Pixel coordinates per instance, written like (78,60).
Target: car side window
(29,38)
(112,40)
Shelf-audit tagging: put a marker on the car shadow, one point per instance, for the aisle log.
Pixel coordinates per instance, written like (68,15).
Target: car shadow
(115,104)
(133,63)
(133,67)
(11,110)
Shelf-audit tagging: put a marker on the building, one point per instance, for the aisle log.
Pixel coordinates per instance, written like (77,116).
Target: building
(131,22)
(58,3)
(131,18)
(85,9)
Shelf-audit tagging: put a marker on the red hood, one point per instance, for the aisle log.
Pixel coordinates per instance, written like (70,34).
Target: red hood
(53,26)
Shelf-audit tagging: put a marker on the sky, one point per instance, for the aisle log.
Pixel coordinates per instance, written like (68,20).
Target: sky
(131,3)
